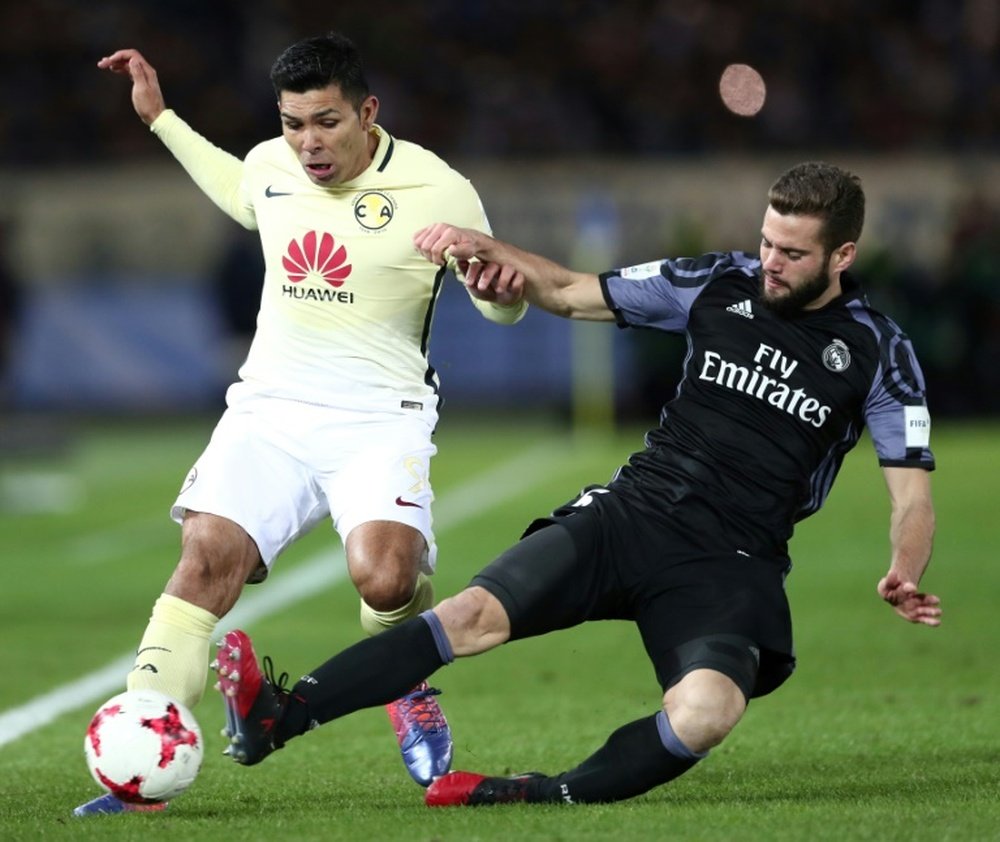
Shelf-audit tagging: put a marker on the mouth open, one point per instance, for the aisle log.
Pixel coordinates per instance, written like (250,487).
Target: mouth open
(319,171)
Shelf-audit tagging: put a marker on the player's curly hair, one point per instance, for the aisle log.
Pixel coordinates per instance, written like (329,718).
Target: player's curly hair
(318,62)
(826,191)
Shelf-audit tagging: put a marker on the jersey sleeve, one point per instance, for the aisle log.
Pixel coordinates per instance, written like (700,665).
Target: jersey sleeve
(660,294)
(500,314)
(217,173)
(896,410)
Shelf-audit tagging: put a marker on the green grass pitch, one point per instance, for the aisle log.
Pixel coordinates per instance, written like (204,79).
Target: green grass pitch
(886,731)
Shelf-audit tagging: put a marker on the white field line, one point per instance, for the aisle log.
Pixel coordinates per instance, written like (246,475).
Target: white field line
(120,541)
(283,589)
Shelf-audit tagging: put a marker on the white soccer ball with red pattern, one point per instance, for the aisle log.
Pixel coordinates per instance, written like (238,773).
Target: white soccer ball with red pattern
(143,747)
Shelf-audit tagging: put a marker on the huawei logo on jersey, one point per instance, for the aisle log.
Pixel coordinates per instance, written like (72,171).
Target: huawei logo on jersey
(323,258)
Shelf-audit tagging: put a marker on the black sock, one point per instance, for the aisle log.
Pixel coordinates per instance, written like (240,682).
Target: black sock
(631,762)
(374,672)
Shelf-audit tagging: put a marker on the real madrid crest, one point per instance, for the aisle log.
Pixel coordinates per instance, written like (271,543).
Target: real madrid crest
(836,356)
(374,210)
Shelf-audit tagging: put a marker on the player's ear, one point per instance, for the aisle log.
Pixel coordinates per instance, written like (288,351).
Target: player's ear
(368,112)
(843,257)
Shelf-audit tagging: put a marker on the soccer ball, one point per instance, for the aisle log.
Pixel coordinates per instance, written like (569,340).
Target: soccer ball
(143,747)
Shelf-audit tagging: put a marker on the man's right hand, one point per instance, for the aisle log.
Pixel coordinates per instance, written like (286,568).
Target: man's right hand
(147,99)
(464,251)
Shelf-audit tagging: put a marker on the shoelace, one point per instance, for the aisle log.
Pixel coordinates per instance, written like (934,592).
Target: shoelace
(420,708)
(281,685)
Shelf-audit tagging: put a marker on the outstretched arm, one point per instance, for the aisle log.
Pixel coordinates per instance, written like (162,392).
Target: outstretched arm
(147,98)
(911,535)
(497,271)
(214,170)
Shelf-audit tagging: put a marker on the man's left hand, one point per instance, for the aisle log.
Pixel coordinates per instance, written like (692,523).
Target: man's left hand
(909,602)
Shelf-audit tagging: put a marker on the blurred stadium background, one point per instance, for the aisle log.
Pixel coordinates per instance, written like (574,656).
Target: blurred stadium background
(593,131)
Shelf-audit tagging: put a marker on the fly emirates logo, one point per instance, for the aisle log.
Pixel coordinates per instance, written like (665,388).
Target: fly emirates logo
(766,381)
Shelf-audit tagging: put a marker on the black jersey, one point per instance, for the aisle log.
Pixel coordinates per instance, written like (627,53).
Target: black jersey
(768,405)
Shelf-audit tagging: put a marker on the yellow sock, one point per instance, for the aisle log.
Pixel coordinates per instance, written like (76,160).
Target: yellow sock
(173,655)
(373,621)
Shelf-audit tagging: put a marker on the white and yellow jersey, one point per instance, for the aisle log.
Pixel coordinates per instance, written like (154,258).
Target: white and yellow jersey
(347,302)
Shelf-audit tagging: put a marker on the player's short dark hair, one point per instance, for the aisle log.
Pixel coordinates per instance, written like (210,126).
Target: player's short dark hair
(826,191)
(318,62)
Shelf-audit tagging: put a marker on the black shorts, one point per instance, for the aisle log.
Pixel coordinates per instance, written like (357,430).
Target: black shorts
(601,562)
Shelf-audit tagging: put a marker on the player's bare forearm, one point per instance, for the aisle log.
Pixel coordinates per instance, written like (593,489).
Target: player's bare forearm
(911,536)
(488,263)
(147,98)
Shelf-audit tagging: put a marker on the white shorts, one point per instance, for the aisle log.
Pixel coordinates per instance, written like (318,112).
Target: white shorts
(278,467)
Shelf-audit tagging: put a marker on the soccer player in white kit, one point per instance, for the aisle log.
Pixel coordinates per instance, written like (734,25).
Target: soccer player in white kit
(335,404)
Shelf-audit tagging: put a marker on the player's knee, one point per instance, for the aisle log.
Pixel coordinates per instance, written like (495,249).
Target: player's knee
(216,558)
(703,707)
(384,563)
(385,584)
(386,592)
(474,621)
(713,677)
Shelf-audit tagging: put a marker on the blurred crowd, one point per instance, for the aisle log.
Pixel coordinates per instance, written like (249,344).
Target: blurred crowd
(555,78)
(952,312)
(510,77)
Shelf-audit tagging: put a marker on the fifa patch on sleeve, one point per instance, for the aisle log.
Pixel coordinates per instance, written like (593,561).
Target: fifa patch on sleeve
(918,426)
(641,272)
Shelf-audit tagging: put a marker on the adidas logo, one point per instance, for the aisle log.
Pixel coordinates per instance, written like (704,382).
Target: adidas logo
(741,309)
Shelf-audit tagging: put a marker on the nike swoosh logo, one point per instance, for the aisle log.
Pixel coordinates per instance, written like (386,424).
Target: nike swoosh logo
(401,502)
(270,193)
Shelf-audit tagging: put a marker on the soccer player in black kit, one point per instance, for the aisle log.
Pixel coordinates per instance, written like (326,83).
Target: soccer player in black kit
(787,363)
